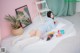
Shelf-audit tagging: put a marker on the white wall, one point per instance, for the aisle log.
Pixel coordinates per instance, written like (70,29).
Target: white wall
(78,6)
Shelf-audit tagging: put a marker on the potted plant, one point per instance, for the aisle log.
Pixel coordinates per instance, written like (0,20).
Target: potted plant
(15,24)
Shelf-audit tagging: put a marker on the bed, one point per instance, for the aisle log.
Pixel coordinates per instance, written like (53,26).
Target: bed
(11,44)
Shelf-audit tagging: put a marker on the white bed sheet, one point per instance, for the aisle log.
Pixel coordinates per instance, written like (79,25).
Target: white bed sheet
(40,46)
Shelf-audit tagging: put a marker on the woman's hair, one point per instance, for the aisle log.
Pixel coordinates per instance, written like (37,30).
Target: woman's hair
(49,14)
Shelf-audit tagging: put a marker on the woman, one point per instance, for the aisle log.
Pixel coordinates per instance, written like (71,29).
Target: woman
(47,26)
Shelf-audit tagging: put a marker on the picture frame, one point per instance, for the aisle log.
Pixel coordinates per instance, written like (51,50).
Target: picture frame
(24,12)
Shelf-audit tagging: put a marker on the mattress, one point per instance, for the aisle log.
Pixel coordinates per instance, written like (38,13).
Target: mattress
(40,46)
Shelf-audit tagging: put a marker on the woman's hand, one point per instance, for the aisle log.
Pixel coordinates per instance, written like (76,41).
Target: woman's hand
(55,22)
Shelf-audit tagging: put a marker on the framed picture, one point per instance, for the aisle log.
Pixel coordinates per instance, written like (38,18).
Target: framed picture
(24,15)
